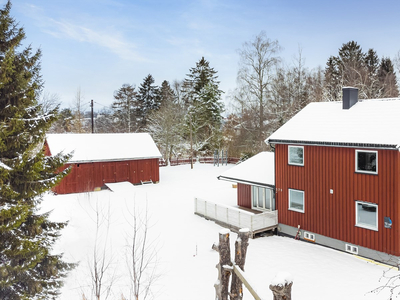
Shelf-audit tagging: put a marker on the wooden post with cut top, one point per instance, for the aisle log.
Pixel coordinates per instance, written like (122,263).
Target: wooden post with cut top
(241,244)
(281,286)
(224,266)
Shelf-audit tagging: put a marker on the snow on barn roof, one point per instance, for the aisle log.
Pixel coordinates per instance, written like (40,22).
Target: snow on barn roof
(368,123)
(103,147)
(257,170)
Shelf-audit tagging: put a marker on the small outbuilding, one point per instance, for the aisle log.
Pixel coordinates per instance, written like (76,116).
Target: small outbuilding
(98,159)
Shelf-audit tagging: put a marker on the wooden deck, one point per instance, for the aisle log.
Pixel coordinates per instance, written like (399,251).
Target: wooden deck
(236,218)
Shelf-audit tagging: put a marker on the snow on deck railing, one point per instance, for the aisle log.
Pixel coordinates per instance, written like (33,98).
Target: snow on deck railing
(235,216)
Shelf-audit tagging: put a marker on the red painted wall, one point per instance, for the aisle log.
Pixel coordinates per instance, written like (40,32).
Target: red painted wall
(244,195)
(86,177)
(334,215)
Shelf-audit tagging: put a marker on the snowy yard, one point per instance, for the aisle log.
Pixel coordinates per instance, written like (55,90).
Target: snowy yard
(183,241)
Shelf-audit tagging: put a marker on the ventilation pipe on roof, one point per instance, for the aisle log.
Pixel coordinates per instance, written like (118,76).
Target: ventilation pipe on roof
(350,97)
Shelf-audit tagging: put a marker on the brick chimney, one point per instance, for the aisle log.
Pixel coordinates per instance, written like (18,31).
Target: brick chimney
(350,97)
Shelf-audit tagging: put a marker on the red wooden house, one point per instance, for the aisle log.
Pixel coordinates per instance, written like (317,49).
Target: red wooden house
(337,175)
(105,158)
(336,178)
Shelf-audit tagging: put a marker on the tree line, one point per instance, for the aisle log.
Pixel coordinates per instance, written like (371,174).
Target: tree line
(188,113)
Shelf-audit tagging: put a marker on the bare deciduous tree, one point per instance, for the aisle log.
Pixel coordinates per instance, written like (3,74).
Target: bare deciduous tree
(101,264)
(258,60)
(49,102)
(78,110)
(141,256)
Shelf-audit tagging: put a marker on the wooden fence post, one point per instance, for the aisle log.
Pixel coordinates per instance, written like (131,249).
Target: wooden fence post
(241,244)
(224,266)
(281,286)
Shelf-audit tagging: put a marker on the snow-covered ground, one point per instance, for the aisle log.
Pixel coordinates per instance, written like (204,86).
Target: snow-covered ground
(183,240)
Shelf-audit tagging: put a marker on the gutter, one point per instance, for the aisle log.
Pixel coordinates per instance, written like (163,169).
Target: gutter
(260,184)
(335,144)
(109,160)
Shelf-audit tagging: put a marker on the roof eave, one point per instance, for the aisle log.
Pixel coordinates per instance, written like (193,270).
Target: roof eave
(248,182)
(334,144)
(111,160)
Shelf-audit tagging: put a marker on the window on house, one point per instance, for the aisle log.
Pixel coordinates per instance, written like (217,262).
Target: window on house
(296,155)
(296,200)
(367,161)
(262,198)
(367,215)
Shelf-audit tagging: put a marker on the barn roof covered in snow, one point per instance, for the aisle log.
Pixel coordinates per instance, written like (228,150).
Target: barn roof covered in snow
(371,123)
(103,147)
(257,170)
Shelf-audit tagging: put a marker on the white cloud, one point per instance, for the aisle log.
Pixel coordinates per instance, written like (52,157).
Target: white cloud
(113,41)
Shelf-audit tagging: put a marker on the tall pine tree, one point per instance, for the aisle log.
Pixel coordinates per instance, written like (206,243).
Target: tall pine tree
(374,78)
(149,97)
(127,109)
(204,105)
(28,268)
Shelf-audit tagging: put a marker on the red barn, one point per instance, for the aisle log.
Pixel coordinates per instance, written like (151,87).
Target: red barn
(105,158)
(337,175)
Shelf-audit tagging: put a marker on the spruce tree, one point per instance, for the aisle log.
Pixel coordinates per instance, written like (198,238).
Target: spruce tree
(126,109)
(28,268)
(374,78)
(149,97)
(166,93)
(387,78)
(203,100)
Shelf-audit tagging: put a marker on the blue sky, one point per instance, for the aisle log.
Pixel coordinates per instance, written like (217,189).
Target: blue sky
(98,45)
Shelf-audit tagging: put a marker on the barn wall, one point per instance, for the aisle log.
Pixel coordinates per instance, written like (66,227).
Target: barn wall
(334,215)
(244,195)
(86,177)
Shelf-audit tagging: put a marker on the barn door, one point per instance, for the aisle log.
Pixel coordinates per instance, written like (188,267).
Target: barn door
(108,171)
(134,172)
(122,171)
(84,177)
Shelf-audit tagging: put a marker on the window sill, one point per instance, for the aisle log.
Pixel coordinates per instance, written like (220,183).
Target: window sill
(297,165)
(296,210)
(367,227)
(366,172)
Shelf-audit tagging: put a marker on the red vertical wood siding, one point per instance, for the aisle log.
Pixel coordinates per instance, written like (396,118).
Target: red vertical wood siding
(244,195)
(334,215)
(86,177)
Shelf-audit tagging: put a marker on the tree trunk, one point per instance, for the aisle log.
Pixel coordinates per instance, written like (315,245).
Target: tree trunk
(222,286)
(282,292)
(241,244)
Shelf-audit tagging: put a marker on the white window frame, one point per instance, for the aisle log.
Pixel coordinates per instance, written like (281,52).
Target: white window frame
(271,204)
(293,163)
(363,225)
(304,204)
(363,171)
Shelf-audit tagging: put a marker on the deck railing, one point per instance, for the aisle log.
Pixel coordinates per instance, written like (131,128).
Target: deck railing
(236,218)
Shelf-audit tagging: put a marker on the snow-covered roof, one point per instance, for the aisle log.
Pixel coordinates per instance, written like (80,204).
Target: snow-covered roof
(257,170)
(368,123)
(103,147)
